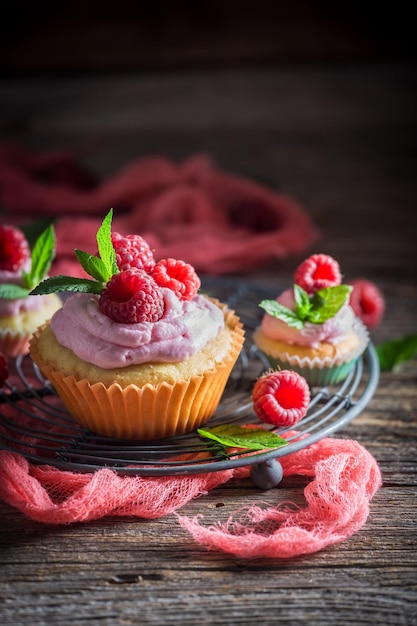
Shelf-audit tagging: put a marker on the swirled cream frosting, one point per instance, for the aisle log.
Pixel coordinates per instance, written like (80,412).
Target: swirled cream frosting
(184,329)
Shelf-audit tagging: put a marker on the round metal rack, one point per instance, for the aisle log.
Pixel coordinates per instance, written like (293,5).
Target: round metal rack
(34,423)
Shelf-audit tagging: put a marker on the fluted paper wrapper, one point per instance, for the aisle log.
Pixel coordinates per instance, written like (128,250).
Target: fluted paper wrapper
(13,343)
(148,412)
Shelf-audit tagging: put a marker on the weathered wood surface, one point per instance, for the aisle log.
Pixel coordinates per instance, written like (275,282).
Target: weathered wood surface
(343,142)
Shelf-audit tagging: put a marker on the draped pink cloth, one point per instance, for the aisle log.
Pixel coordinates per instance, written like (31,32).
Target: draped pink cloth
(217,221)
(342,479)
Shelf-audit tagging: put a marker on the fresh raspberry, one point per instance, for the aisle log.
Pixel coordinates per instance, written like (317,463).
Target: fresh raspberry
(281,398)
(132,251)
(14,249)
(318,272)
(178,276)
(367,302)
(132,296)
(4,369)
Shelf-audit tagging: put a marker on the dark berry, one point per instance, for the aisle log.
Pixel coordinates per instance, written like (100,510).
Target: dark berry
(267,474)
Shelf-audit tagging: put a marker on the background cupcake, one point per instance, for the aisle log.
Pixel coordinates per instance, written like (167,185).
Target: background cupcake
(138,353)
(311,328)
(20,271)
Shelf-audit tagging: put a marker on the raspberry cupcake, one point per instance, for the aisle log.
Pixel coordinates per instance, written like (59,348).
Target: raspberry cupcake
(137,352)
(20,271)
(311,328)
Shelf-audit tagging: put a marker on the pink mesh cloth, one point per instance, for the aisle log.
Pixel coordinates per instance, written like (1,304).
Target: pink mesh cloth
(218,222)
(344,479)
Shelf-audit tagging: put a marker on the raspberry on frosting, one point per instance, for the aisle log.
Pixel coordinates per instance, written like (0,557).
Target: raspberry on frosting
(317,272)
(132,296)
(132,251)
(14,248)
(178,276)
(281,398)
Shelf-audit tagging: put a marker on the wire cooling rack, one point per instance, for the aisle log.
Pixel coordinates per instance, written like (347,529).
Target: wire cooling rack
(34,423)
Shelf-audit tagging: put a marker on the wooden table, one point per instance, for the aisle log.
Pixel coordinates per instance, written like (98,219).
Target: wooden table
(342,140)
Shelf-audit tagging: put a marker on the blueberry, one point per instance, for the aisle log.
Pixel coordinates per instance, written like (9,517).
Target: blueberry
(266,474)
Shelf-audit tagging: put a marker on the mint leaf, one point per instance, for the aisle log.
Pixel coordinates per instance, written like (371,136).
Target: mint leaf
(325,303)
(302,302)
(13,292)
(93,265)
(57,284)
(392,353)
(233,436)
(275,309)
(104,266)
(42,256)
(105,246)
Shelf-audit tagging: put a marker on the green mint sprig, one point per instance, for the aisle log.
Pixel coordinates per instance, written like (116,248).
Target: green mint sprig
(42,255)
(231,436)
(316,309)
(101,268)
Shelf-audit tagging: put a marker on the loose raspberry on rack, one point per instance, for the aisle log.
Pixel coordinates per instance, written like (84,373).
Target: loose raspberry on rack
(132,296)
(178,276)
(281,398)
(4,369)
(132,251)
(14,248)
(319,271)
(367,301)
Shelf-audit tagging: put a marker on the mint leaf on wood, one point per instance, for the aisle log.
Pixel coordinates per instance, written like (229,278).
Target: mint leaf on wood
(392,353)
(57,284)
(232,436)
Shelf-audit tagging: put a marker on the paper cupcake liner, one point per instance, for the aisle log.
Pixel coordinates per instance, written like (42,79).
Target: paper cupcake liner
(148,412)
(13,343)
(326,371)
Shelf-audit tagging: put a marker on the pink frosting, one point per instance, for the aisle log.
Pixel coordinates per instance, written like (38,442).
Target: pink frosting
(332,331)
(183,330)
(9,307)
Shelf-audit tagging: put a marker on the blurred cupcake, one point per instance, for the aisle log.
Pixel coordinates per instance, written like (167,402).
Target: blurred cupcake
(20,271)
(311,328)
(140,354)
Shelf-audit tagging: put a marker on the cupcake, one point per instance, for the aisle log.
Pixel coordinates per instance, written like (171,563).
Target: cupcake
(20,270)
(137,352)
(311,327)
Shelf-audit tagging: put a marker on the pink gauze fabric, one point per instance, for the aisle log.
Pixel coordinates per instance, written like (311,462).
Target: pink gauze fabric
(344,477)
(219,222)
